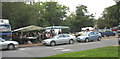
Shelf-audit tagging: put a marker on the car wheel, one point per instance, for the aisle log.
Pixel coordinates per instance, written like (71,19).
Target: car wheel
(105,36)
(86,40)
(71,42)
(99,39)
(78,41)
(114,34)
(11,47)
(53,43)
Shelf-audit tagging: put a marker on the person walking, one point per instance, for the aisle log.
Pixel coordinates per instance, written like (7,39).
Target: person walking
(43,36)
(59,32)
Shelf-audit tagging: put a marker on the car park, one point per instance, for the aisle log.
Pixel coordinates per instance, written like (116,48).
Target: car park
(106,32)
(10,45)
(89,36)
(59,39)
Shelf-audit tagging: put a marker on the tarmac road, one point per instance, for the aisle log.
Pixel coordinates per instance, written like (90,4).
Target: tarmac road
(43,51)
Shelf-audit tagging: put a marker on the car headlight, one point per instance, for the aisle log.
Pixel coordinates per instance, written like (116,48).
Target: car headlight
(78,38)
(45,41)
(16,43)
(81,38)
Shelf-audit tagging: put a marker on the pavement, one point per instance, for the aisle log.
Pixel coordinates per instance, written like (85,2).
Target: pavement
(43,51)
(30,45)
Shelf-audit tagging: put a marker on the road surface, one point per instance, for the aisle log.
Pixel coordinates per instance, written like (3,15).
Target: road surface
(43,51)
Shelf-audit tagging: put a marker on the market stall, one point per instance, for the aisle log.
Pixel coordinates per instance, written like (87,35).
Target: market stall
(56,29)
(25,34)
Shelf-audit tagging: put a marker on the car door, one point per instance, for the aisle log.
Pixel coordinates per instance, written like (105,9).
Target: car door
(61,39)
(3,45)
(111,34)
(0,44)
(66,38)
(96,35)
(91,36)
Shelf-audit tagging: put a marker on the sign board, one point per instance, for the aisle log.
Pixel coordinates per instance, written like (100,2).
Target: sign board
(4,21)
(4,25)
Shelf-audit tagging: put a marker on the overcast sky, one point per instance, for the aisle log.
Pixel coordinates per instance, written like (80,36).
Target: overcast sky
(94,6)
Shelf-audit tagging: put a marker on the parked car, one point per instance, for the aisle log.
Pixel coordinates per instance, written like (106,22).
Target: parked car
(59,39)
(89,36)
(106,32)
(8,44)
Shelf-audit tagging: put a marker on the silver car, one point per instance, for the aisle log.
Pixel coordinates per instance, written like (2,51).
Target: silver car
(59,39)
(89,36)
(8,44)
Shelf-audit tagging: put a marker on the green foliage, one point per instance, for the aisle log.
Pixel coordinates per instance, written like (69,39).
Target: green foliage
(52,12)
(80,19)
(19,13)
(102,23)
(110,17)
(45,14)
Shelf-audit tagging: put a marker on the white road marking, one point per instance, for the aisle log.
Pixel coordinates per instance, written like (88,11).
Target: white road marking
(115,45)
(49,47)
(62,49)
(58,48)
(66,46)
(66,50)
(23,49)
(90,42)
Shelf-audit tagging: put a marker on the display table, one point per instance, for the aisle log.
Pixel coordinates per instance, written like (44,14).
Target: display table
(31,37)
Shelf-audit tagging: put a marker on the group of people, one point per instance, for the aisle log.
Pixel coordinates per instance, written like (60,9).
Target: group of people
(39,36)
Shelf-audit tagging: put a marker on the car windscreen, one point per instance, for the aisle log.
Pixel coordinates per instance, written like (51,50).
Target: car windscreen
(1,39)
(105,30)
(53,37)
(85,34)
(4,27)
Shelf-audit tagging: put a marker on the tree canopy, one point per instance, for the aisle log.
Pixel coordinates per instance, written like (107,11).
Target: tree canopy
(110,17)
(42,13)
(45,14)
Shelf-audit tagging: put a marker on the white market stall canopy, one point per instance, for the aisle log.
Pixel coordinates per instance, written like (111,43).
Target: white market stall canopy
(90,28)
(56,27)
(28,28)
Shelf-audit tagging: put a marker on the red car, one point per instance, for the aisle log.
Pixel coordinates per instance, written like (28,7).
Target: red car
(114,29)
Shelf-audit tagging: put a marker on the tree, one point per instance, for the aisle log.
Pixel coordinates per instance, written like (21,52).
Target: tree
(101,22)
(111,16)
(19,14)
(69,21)
(52,13)
(82,19)
(79,19)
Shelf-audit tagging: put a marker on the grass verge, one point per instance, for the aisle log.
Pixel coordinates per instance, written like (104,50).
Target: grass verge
(110,52)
